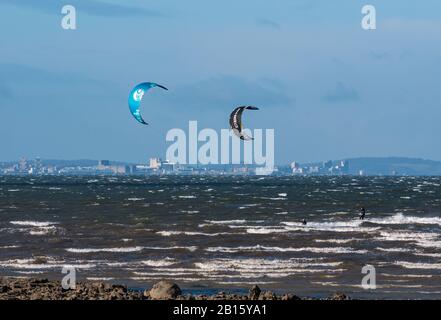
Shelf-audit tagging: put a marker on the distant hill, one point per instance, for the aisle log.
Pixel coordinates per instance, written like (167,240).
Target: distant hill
(397,165)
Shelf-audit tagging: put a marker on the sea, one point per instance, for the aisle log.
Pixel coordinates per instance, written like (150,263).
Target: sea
(227,233)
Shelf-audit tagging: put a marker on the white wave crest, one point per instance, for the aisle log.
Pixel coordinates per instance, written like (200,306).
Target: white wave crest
(259,248)
(33,223)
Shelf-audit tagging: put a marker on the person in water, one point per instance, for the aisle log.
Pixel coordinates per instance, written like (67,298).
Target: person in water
(362,213)
(304,222)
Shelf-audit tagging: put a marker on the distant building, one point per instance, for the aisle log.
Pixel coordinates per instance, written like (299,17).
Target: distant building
(294,165)
(327,165)
(23,165)
(155,163)
(105,167)
(344,166)
(264,171)
(167,166)
(314,170)
(103,163)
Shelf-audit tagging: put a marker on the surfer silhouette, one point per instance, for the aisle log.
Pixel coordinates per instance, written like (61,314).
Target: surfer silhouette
(362,213)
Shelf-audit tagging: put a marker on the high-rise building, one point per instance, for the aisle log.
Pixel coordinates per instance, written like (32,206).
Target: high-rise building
(327,164)
(295,165)
(344,166)
(23,165)
(103,163)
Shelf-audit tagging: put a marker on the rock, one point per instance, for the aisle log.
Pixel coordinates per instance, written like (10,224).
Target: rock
(119,288)
(44,289)
(254,293)
(40,260)
(35,296)
(339,296)
(268,295)
(290,296)
(165,290)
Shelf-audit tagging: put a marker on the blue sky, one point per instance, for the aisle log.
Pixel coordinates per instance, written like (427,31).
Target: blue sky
(329,88)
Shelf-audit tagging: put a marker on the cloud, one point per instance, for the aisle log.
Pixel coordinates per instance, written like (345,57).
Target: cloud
(19,73)
(342,93)
(27,81)
(266,23)
(91,7)
(380,55)
(225,92)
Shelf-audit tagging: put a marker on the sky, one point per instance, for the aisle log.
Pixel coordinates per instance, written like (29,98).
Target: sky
(328,88)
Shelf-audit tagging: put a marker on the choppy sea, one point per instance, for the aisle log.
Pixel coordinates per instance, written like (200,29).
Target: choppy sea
(228,233)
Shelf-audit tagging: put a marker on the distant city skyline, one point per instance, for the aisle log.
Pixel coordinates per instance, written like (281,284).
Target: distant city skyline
(392,166)
(328,88)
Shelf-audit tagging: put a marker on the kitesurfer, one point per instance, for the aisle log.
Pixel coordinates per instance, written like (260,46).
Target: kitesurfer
(304,222)
(362,213)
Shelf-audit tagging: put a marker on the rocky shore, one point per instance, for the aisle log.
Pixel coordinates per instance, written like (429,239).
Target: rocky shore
(44,289)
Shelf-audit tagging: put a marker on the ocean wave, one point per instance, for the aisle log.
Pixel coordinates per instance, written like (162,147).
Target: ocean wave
(96,250)
(50,263)
(159,263)
(259,248)
(421,239)
(339,241)
(127,249)
(393,249)
(225,221)
(36,228)
(400,218)
(9,247)
(177,278)
(264,264)
(33,223)
(135,199)
(189,211)
(162,274)
(189,248)
(266,230)
(242,283)
(418,265)
(30,272)
(331,226)
(249,268)
(432,255)
(191,233)
(407,275)
(187,197)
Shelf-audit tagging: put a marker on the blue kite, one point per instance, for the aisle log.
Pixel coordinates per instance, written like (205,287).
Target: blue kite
(136,96)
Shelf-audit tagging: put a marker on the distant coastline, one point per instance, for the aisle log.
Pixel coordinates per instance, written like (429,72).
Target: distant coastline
(363,166)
